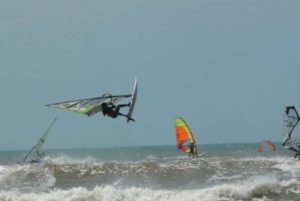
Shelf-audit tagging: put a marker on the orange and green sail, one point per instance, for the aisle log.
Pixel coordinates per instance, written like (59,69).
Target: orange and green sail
(184,136)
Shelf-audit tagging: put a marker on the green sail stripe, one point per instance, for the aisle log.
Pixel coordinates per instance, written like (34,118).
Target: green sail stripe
(180,122)
(80,110)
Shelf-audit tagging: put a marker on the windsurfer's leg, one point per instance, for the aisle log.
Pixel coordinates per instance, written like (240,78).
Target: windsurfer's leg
(120,114)
(122,105)
(130,119)
(125,115)
(119,107)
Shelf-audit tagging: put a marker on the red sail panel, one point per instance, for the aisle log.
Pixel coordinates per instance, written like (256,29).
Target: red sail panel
(261,147)
(181,138)
(184,136)
(271,145)
(268,143)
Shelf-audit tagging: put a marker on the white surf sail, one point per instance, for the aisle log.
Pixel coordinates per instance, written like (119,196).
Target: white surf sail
(89,106)
(35,154)
(292,129)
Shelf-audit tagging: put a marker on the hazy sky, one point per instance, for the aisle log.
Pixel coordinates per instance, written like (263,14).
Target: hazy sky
(228,67)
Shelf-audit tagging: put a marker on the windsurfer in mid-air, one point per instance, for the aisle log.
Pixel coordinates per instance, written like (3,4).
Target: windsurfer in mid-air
(105,103)
(113,111)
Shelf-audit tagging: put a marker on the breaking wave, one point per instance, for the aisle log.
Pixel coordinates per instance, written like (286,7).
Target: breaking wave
(68,178)
(26,178)
(253,189)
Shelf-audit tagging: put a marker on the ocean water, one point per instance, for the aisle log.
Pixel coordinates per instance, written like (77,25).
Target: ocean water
(159,173)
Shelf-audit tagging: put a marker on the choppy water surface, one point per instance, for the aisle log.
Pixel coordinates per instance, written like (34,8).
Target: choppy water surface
(226,172)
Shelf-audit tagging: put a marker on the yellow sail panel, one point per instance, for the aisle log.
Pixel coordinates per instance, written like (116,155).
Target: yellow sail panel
(184,136)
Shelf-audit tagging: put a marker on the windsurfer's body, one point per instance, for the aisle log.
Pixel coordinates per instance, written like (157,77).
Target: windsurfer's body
(297,155)
(297,151)
(113,111)
(192,150)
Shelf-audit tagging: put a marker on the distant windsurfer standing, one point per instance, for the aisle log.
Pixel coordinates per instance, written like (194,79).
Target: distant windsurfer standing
(113,111)
(192,150)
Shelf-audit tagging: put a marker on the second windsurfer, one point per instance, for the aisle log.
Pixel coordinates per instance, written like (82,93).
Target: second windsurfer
(192,150)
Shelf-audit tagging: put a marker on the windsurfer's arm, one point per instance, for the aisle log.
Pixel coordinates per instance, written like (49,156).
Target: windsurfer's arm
(112,106)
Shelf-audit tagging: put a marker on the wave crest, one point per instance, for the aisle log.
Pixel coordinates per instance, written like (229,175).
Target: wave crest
(252,189)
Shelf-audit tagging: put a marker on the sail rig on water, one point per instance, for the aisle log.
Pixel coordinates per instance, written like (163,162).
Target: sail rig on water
(35,154)
(292,130)
(184,137)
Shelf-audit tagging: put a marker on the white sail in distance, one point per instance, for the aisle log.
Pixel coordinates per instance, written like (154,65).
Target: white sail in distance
(291,125)
(35,154)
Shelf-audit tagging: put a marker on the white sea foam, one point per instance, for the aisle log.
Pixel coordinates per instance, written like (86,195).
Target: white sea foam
(289,166)
(2,168)
(221,179)
(65,159)
(151,157)
(30,177)
(279,159)
(256,189)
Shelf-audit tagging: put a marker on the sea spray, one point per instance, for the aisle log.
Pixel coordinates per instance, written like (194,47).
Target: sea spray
(155,173)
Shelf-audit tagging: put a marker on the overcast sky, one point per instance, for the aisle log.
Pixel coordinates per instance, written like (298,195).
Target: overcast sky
(228,67)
